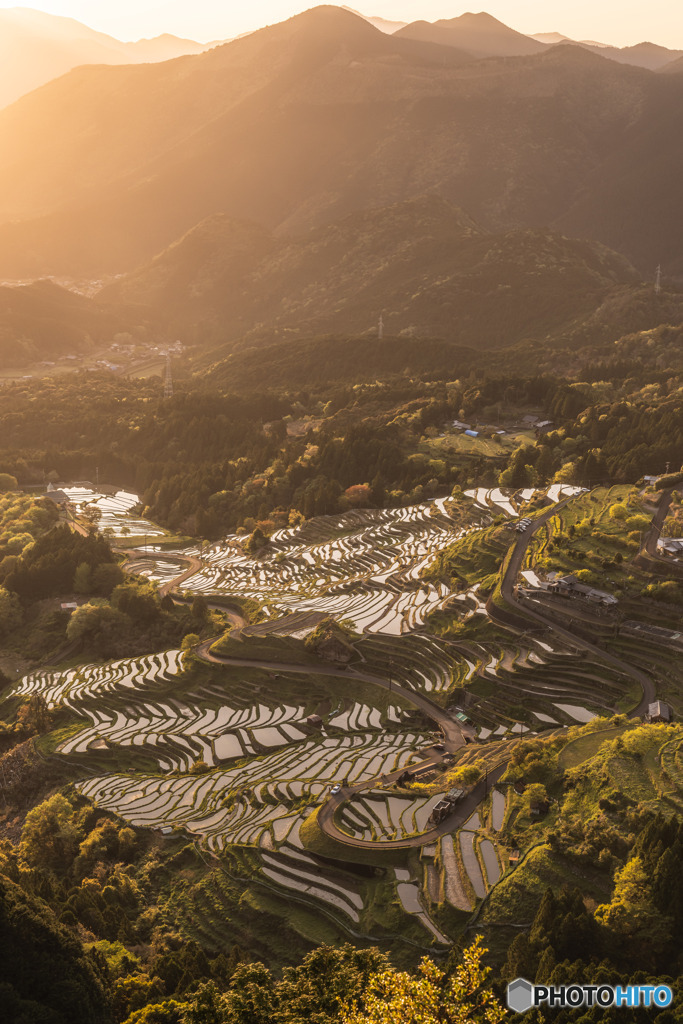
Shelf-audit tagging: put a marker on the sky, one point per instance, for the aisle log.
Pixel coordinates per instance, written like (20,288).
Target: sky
(620,22)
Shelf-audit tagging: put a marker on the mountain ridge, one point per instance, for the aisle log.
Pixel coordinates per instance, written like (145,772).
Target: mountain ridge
(36,48)
(305,122)
(424,264)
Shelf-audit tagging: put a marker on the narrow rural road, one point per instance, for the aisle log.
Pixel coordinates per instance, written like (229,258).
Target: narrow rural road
(192,563)
(525,614)
(454,739)
(462,811)
(454,733)
(648,557)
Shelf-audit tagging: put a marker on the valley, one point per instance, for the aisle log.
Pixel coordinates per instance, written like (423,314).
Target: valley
(341,516)
(287,765)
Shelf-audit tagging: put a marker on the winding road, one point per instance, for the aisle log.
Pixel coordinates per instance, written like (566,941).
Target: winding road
(512,614)
(523,615)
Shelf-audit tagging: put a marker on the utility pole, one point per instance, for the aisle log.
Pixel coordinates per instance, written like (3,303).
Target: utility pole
(658,280)
(168,383)
(380,328)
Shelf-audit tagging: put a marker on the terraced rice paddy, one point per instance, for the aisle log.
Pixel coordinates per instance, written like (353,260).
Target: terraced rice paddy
(552,685)
(238,805)
(498,802)
(409,895)
(363,566)
(267,767)
(454,890)
(496,501)
(115,512)
(471,863)
(381,815)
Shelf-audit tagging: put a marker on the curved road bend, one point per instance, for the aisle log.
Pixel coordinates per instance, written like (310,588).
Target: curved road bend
(454,734)
(454,739)
(191,561)
(464,810)
(648,557)
(507,590)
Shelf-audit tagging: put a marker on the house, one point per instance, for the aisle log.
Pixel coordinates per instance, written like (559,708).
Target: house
(543,426)
(459,425)
(658,711)
(537,808)
(672,546)
(529,421)
(513,859)
(569,586)
(58,497)
(315,721)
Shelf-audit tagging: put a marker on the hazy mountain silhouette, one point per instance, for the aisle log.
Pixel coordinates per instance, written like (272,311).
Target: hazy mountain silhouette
(480,35)
(36,47)
(43,321)
(643,55)
(383,24)
(305,122)
(674,68)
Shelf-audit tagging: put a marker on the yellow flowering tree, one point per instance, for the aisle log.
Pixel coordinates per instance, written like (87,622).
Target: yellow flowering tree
(395,997)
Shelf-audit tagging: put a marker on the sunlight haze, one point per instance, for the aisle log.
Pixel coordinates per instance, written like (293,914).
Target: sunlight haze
(621,24)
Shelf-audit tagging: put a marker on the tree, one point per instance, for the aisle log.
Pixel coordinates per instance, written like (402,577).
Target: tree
(465,776)
(535,795)
(11,614)
(8,482)
(83,579)
(33,716)
(251,999)
(49,838)
(140,601)
(105,577)
(429,997)
(189,641)
(92,618)
(168,1012)
(200,609)
(45,974)
(207,1006)
(346,971)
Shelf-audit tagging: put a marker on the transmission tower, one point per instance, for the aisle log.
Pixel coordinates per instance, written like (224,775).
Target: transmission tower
(380,328)
(168,382)
(658,280)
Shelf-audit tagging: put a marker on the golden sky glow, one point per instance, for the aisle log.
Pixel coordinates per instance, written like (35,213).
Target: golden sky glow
(621,22)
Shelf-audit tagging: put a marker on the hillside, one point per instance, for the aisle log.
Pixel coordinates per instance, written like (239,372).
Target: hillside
(675,67)
(477,34)
(45,322)
(36,47)
(484,36)
(107,166)
(423,264)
